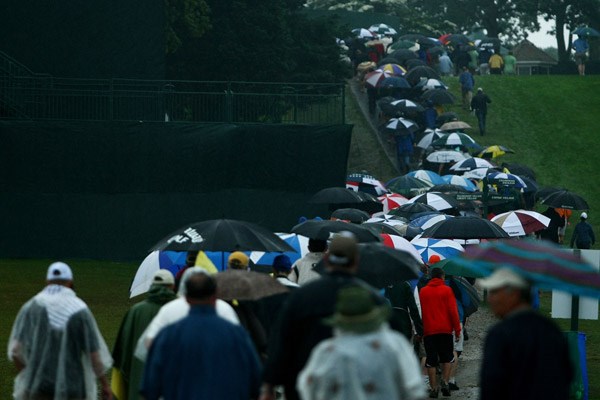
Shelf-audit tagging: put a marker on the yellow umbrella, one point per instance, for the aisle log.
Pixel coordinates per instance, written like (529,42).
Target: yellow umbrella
(494,151)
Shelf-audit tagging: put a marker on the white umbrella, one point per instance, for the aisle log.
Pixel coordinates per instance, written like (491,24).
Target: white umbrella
(446,156)
(430,136)
(439,201)
(521,222)
(471,163)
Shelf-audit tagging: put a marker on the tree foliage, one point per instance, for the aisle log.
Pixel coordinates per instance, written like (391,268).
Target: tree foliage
(184,19)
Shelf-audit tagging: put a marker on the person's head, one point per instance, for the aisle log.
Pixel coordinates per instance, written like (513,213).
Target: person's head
(59,273)
(437,273)
(357,310)
(583,216)
(238,260)
(342,253)
(465,68)
(188,274)
(317,245)
(479,90)
(190,258)
(507,291)
(201,289)
(282,265)
(164,277)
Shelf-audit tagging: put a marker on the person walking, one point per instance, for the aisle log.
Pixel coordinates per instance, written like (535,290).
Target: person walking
(479,105)
(127,369)
(583,235)
(496,64)
(201,356)
(581,48)
(467,83)
(525,355)
(445,65)
(56,346)
(510,64)
(303,269)
(440,322)
(551,231)
(365,358)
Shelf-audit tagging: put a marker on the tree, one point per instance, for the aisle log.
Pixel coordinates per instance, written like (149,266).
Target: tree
(184,20)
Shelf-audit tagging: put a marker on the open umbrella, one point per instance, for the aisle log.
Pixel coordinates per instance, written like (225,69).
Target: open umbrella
(414,62)
(222,235)
(459,181)
(445,156)
(478,173)
(454,126)
(353,215)
(247,285)
(444,248)
(340,195)
(401,126)
(374,78)
(394,69)
(325,229)
(172,261)
(409,209)
(399,243)
(437,96)
(465,228)
(458,268)
(431,83)
(494,151)
(406,106)
(380,227)
(566,199)
(415,74)
(407,185)
(383,29)
(382,266)
(427,176)
(394,82)
(429,138)
(586,31)
(521,222)
(298,242)
(425,221)
(471,164)
(520,169)
(438,201)
(402,55)
(448,188)
(508,180)
(419,38)
(391,201)
(447,116)
(454,139)
(363,33)
(364,182)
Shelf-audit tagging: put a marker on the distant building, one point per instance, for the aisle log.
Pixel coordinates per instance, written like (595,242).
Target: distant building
(532,60)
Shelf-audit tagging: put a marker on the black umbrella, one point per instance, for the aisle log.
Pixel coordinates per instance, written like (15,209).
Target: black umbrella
(382,266)
(339,195)
(222,235)
(457,39)
(544,192)
(421,39)
(448,188)
(394,82)
(324,229)
(566,199)
(407,185)
(381,227)
(446,117)
(353,215)
(387,60)
(414,75)
(520,169)
(402,55)
(438,96)
(414,62)
(406,210)
(465,228)
(247,285)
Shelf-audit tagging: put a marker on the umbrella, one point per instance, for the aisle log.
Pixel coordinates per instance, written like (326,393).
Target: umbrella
(324,229)
(586,31)
(427,176)
(365,183)
(458,268)
(393,69)
(383,29)
(414,62)
(470,296)
(494,151)
(298,242)
(391,201)
(401,126)
(547,265)
(415,74)
(394,82)
(401,44)
(521,222)
(445,156)
(402,55)
(438,201)
(340,195)
(428,84)
(388,219)
(172,261)
(425,221)
(406,106)
(471,164)
(222,235)
(407,185)
(399,243)
(519,169)
(444,248)
(380,227)
(448,116)
(448,188)
(508,180)
(374,78)
(465,228)
(353,215)
(437,96)
(363,33)
(429,138)
(409,209)
(454,125)
(565,199)
(382,266)
(478,173)
(456,39)
(419,38)
(460,181)
(546,191)
(247,285)
(454,139)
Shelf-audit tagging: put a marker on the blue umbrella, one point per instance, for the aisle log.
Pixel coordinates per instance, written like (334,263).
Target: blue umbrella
(427,176)
(298,242)
(444,248)
(460,181)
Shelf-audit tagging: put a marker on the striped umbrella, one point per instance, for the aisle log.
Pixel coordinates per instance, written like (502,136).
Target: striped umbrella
(394,69)
(460,181)
(427,176)
(428,220)
(374,78)
(505,179)
(399,243)
(298,242)
(444,248)
(521,222)
(439,201)
(471,163)
(454,139)
(429,138)
(391,201)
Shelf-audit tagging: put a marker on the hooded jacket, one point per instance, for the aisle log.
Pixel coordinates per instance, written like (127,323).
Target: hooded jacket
(439,310)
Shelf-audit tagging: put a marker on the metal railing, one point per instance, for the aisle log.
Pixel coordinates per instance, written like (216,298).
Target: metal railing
(26,95)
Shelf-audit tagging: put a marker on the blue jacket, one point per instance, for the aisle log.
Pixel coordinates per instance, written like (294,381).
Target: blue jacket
(467,82)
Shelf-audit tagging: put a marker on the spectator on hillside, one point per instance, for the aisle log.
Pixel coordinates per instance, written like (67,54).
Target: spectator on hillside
(510,64)
(479,105)
(467,82)
(484,57)
(583,236)
(496,64)
(581,47)
(551,231)
(445,65)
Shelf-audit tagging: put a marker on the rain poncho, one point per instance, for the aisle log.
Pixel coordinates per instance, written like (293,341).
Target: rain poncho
(379,365)
(56,338)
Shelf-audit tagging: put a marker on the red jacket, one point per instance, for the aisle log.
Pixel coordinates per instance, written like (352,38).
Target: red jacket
(438,308)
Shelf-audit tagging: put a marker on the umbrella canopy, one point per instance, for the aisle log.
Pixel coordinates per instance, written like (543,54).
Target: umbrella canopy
(436,96)
(399,243)
(363,33)
(454,139)
(547,265)
(391,201)
(364,182)
(388,219)
(382,266)
(222,235)
(445,156)
(340,195)
(374,78)
(401,126)
(406,106)
(566,199)
(521,222)
(415,62)
(409,209)
(444,248)
(428,176)
(505,179)
(247,285)
(394,69)
(459,268)
(471,164)
(298,242)
(400,44)
(383,29)
(438,201)
(380,227)
(465,228)
(394,82)
(431,83)
(460,181)
(454,126)
(478,173)
(448,188)
(419,38)
(323,230)
(172,261)
(353,215)
(402,55)
(586,31)
(415,74)
(429,138)
(520,169)
(494,151)
(425,221)
(407,185)
(545,191)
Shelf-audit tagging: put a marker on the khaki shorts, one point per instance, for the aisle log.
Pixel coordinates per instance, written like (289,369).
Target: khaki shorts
(580,58)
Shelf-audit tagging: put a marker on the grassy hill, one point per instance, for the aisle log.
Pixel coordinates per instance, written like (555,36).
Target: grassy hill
(552,123)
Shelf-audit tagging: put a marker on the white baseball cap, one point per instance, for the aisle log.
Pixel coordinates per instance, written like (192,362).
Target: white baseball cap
(163,277)
(59,271)
(584,215)
(504,277)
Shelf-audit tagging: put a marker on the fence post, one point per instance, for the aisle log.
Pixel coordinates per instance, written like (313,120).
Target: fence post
(228,103)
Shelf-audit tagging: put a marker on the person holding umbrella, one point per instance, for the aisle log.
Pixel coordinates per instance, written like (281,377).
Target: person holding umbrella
(583,236)
(525,355)
(581,47)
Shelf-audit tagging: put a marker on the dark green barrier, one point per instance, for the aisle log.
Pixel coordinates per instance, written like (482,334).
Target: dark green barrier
(110,191)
